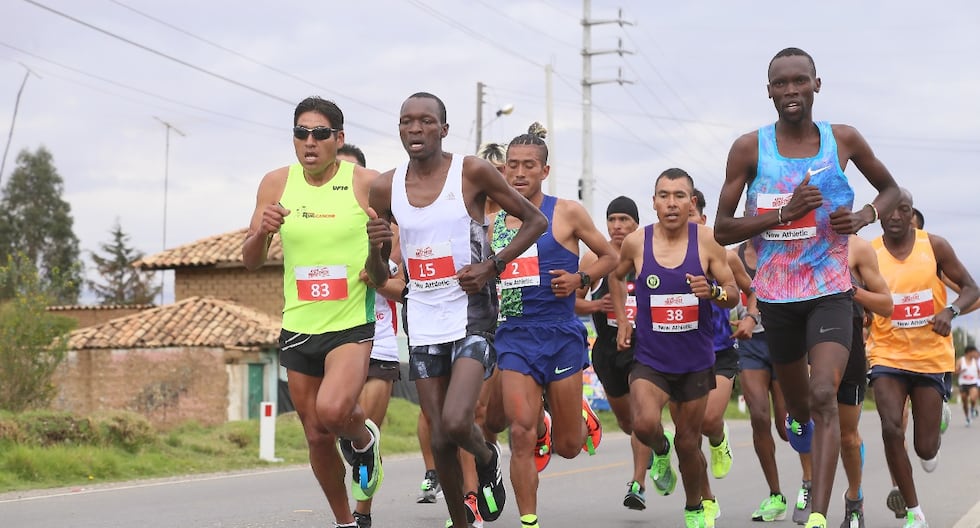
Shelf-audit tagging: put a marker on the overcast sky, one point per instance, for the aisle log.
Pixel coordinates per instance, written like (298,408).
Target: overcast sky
(228,75)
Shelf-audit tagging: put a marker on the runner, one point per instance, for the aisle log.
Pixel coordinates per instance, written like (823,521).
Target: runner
(870,293)
(438,201)
(328,320)
(673,261)
(613,366)
(383,369)
(967,378)
(911,352)
(541,344)
(798,203)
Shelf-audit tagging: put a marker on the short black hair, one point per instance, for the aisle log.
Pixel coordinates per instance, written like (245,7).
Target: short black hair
(352,150)
(427,95)
(674,173)
(918,216)
(969,348)
(794,52)
(699,201)
(328,109)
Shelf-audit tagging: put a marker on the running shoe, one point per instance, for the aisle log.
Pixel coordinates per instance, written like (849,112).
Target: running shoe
(594,426)
(529,521)
(662,473)
(721,457)
(635,500)
(363,520)
(816,521)
(542,451)
(947,416)
(853,513)
(366,467)
(896,503)
(492,495)
(694,518)
(473,510)
(711,511)
(974,411)
(771,509)
(430,488)
(911,521)
(800,435)
(801,513)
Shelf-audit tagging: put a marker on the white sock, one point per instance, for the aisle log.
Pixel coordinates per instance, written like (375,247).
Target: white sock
(917,511)
(368,446)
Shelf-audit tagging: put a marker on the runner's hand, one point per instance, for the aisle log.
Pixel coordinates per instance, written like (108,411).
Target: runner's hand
(942,322)
(472,277)
(845,222)
(273,216)
(378,230)
(805,198)
(564,283)
(624,334)
(700,286)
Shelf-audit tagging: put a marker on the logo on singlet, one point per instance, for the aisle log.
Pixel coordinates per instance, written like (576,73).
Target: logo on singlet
(340,187)
(653,282)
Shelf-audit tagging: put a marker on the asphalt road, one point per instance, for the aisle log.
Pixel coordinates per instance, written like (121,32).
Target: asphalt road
(583,492)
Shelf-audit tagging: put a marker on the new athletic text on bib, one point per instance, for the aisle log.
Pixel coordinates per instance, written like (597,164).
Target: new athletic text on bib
(522,271)
(321,283)
(630,308)
(799,229)
(431,267)
(674,313)
(912,310)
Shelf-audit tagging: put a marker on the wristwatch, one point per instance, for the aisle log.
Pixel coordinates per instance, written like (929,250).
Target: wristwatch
(955,309)
(586,279)
(498,265)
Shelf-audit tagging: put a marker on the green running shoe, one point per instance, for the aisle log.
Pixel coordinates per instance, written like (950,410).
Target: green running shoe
(694,519)
(721,457)
(661,472)
(711,511)
(635,499)
(771,509)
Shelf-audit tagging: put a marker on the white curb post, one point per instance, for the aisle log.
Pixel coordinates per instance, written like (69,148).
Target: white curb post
(267,432)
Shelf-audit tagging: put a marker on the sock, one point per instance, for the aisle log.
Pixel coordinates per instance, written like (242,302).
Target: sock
(917,511)
(862,458)
(348,525)
(368,446)
(529,520)
(860,493)
(696,507)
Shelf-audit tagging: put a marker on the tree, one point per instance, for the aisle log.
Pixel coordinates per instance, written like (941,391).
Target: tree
(961,340)
(124,284)
(33,342)
(35,220)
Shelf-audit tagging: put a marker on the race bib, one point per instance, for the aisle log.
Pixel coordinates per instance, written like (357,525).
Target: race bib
(522,271)
(630,309)
(798,229)
(431,267)
(321,283)
(912,310)
(674,313)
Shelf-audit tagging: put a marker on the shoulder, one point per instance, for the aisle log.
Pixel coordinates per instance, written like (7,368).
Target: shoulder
(938,243)
(275,179)
(745,149)
(475,166)
(845,134)
(859,248)
(570,209)
(364,176)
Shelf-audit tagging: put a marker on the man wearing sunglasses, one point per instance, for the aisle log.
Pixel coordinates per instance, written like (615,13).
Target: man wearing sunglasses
(319,207)
(438,200)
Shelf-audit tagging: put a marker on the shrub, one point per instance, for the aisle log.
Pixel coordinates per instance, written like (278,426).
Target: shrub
(127,430)
(48,428)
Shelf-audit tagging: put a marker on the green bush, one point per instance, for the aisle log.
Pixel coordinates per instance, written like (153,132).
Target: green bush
(11,431)
(127,430)
(47,428)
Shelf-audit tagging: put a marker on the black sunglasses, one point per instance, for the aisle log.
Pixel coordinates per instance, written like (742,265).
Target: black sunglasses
(319,133)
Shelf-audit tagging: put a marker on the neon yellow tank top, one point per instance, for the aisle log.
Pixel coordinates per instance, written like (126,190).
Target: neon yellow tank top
(324,247)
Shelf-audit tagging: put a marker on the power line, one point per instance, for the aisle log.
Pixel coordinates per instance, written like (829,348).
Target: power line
(520,22)
(247,58)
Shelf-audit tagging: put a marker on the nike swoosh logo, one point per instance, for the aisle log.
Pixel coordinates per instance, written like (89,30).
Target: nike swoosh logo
(562,371)
(825,330)
(811,172)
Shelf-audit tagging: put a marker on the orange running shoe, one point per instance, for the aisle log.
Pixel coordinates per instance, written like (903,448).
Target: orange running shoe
(594,426)
(542,451)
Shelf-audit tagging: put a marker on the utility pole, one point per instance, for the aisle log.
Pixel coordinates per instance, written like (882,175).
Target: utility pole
(13,119)
(166,178)
(587,183)
(503,110)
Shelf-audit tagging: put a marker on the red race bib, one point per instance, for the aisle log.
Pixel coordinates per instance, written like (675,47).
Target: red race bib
(321,283)
(522,271)
(674,313)
(431,267)
(805,227)
(912,310)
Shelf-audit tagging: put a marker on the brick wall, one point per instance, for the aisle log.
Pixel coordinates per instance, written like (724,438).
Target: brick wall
(167,385)
(260,289)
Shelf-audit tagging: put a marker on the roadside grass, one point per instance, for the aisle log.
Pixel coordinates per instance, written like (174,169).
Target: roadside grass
(45,449)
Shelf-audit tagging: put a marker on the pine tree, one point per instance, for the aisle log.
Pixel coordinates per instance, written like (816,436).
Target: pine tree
(124,284)
(36,221)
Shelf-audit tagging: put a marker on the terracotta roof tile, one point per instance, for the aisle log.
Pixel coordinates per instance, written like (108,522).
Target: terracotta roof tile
(223,250)
(196,321)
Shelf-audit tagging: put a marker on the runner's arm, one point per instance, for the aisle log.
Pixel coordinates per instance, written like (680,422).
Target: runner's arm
(875,296)
(741,167)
